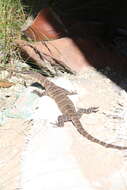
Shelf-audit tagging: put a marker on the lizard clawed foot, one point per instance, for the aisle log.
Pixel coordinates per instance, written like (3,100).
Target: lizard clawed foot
(61,120)
(73,92)
(55,125)
(38,93)
(92,109)
(88,110)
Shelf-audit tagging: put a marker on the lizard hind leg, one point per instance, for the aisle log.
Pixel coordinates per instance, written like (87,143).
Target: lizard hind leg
(61,120)
(81,111)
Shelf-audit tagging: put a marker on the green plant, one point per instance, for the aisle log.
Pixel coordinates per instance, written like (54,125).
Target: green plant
(12,17)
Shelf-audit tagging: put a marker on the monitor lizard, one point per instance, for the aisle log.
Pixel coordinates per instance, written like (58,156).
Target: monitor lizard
(67,108)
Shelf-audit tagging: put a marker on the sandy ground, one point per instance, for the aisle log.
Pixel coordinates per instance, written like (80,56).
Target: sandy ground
(36,155)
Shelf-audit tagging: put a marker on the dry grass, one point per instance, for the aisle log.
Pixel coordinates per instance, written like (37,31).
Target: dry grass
(13,14)
(12,17)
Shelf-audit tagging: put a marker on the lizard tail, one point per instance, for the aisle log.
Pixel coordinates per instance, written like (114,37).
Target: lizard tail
(84,133)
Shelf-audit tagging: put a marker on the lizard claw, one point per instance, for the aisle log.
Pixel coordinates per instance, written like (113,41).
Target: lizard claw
(73,92)
(93,109)
(55,125)
(88,110)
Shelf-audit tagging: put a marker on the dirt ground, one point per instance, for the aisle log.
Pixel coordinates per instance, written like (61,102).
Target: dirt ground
(36,155)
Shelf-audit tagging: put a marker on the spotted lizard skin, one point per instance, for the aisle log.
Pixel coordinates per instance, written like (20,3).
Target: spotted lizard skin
(67,107)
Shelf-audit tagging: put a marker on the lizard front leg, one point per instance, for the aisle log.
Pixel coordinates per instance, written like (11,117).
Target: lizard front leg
(66,92)
(39,93)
